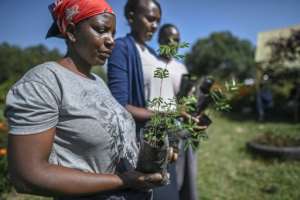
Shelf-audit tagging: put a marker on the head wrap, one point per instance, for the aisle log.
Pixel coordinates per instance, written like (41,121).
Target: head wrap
(65,12)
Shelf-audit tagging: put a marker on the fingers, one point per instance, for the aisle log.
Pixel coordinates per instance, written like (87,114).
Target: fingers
(175,156)
(195,119)
(156,177)
(172,155)
(200,128)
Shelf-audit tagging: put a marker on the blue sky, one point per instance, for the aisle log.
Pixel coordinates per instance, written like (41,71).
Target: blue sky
(25,22)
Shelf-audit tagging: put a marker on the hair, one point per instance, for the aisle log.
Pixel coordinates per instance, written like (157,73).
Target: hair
(164,27)
(132,6)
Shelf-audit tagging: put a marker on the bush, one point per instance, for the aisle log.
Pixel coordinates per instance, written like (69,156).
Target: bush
(5,185)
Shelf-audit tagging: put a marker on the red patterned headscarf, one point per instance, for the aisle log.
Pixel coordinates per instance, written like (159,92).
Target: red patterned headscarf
(66,11)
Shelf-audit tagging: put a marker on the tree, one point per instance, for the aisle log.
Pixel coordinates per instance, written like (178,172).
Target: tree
(284,62)
(222,54)
(15,61)
(285,49)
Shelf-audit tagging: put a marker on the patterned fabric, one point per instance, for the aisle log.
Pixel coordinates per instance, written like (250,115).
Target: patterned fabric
(66,11)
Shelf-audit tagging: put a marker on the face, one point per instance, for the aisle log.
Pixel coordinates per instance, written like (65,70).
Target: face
(144,21)
(94,38)
(170,34)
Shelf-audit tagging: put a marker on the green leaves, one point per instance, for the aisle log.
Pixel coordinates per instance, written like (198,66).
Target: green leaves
(161,73)
(232,86)
(221,102)
(165,110)
(171,50)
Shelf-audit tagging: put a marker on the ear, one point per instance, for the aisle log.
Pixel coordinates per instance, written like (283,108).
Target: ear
(130,17)
(70,32)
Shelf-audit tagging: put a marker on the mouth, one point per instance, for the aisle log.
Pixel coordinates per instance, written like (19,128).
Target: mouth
(103,55)
(149,34)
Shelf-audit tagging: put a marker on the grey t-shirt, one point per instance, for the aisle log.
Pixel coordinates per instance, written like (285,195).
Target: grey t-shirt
(93,131)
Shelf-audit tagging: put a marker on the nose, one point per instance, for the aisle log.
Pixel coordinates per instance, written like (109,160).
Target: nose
(110,42)
(154,25)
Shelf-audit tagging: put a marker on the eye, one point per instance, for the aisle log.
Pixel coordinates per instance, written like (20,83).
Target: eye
(101,30)
(152,19)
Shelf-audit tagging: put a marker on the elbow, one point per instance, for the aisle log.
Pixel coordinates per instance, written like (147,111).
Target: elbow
(20,184)
(23,182)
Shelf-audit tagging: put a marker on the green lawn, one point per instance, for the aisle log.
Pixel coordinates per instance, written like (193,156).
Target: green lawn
(228,172)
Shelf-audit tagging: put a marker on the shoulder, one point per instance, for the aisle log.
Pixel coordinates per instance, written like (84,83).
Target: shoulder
(124,42)
(44,75)
(120,49)
(152,51)
(40,73)
(178,64)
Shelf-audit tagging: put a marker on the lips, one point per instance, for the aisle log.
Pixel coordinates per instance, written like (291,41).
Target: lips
(149,34)
(104,54)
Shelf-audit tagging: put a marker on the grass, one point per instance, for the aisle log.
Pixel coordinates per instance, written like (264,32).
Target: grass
(228,172)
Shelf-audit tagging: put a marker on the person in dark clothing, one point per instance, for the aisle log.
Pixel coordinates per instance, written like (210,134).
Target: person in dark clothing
(186,164)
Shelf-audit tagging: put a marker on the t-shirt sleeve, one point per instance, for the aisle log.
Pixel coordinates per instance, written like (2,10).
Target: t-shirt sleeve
(117,73)
(31,107)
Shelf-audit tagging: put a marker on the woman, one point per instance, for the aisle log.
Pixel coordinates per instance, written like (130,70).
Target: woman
(186,164)
(69,138)
(126,66)
(131,69)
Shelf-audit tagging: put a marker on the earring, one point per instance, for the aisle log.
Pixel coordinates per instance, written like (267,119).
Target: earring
(131,14)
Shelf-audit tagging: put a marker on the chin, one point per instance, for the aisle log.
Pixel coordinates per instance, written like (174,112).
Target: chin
(148,38)
(99,62)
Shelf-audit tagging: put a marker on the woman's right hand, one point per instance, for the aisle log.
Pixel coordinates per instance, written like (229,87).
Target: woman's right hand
(142,181)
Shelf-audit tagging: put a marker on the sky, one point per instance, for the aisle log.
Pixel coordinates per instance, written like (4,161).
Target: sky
(25,22)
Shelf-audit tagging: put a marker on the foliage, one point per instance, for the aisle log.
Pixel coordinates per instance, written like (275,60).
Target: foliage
(14,61)
(5,185)
(171,50)
(218,99)
(285,49)
(165,110)
(222,55)
(166,117)
(222,96)
(4,88)
(100,71)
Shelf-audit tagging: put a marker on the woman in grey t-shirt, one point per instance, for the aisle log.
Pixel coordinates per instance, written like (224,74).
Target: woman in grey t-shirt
(69,138)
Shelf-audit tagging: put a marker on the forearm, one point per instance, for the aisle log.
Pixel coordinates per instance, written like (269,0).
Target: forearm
(139,114)
(34,174)
(53,180)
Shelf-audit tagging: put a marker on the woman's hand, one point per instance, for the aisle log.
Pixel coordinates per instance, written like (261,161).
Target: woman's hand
(172,154)
(196,119)
(141,181)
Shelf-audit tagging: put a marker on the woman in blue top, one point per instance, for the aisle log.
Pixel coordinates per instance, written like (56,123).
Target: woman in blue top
(130,71)
(125,70)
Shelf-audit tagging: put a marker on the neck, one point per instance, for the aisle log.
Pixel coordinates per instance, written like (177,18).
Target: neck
(76,64)
(138,40)
(165,58)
